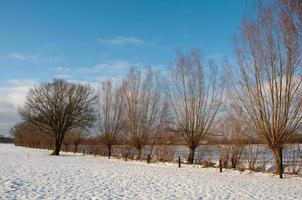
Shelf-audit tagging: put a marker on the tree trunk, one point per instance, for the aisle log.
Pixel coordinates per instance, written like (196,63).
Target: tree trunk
(139,149)
(109,151)
(56,151)
(76,148)
(191,155)
(234,159)
(278,161)
(234,164)
(57,148)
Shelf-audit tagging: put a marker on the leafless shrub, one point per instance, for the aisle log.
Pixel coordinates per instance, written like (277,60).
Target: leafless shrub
(77,136)
(127,152)
(232,129)
(293,159)
(96,150)
(164,153)
(241,166)
(252,155)
(236,153)
(264,160)
(204,155)
(207,164)
(224,154)
(118,151)
(230,154)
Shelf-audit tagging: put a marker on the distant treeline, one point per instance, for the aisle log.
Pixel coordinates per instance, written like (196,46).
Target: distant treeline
(4,139)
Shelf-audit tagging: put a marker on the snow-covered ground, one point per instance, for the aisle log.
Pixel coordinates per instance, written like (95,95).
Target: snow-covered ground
(34,174)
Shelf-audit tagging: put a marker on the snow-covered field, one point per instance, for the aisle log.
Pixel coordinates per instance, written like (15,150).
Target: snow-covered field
(34,174)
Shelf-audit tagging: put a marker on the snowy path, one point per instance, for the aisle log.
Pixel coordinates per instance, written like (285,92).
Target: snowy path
(34,174)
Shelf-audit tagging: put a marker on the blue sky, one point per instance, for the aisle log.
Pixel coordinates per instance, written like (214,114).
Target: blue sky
(93,40)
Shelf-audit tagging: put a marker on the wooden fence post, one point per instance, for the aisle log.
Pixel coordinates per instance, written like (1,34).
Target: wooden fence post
(220,165)
(149,157)
(179,161)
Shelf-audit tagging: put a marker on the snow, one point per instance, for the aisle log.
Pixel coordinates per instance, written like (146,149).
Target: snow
(34,174)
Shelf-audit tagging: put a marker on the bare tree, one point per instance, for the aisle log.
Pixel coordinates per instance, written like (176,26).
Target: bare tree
(268,80)
(58,107)
(67,140)
(194,99)
(144,108)
(77,136)
(110,114)
(292,10)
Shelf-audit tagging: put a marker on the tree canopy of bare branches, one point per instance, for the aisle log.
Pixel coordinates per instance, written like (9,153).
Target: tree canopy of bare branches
(110,113)
(194,99)
(144,108)
(58,107)
(268,79)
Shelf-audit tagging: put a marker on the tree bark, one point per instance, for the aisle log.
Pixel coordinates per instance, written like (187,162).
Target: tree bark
(57,147)
(278,161)
(56,151)
(191,155)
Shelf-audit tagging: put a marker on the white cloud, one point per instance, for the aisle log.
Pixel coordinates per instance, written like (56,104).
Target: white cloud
(115,79)
(122,41)
(62,69)
(24,57)
(131,41)
(17,56)
(116,66)
(117,70)
(12,97)
(31,57)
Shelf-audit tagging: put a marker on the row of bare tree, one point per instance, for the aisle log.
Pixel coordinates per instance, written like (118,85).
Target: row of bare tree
(141,107)
(259,96)
(25,134)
